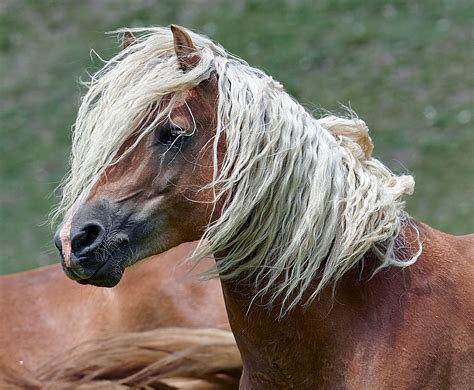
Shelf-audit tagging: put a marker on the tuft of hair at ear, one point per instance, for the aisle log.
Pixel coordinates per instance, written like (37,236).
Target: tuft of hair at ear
(128,39)
(353,134)
(186,52)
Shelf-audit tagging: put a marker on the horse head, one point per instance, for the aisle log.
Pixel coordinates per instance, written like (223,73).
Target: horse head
(154,194)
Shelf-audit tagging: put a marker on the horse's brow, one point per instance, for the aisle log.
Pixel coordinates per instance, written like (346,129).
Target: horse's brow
(182,110)
(180,119)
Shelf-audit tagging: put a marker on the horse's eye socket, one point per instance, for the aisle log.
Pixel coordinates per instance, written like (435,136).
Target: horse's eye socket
(168,134)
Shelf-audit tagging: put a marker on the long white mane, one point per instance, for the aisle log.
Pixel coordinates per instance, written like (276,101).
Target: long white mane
(307,199)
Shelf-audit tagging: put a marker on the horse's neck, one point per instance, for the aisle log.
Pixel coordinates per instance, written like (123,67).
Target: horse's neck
(337,333)
(306,344)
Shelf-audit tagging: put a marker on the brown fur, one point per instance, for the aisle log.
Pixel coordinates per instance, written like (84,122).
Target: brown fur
(185,49)
(406,328)
(128,39)
(402,329)
(44,314)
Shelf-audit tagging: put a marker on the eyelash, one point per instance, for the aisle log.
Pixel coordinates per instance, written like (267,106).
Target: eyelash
(169,135)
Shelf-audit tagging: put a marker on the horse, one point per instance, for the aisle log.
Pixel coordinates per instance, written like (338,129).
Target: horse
(328,282)
(52,326)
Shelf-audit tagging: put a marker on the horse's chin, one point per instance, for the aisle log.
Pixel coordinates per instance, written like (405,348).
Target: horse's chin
(109,275)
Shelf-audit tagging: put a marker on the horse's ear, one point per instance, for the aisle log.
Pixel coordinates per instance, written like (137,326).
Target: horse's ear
(128,39)
(184,48)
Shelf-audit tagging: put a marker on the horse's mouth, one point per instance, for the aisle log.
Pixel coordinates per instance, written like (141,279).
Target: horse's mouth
(108,274)
(99,273)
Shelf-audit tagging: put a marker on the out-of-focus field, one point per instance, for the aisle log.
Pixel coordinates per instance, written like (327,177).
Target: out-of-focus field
(406,68)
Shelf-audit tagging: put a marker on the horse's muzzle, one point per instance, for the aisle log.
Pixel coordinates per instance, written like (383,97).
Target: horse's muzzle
(97,248)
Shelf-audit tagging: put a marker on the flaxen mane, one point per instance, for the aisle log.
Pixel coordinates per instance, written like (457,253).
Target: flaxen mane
(308,199)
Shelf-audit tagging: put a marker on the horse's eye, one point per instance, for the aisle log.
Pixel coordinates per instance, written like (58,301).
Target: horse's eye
(169,134)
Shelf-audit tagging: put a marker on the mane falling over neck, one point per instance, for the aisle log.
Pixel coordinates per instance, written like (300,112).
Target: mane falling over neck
(308,200)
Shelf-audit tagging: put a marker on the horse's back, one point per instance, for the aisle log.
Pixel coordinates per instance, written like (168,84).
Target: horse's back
(465,245)
(445,270)
(44,313)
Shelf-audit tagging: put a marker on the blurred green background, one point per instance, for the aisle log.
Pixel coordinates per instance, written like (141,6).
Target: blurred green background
(406,68)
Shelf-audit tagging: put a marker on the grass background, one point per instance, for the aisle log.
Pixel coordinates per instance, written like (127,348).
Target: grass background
(405,67)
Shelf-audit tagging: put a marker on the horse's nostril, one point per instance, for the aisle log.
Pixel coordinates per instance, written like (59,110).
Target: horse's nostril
(87,239)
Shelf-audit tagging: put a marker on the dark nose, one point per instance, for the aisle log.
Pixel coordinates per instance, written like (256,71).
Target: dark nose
(87,239)
(57,241)
(97,249)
